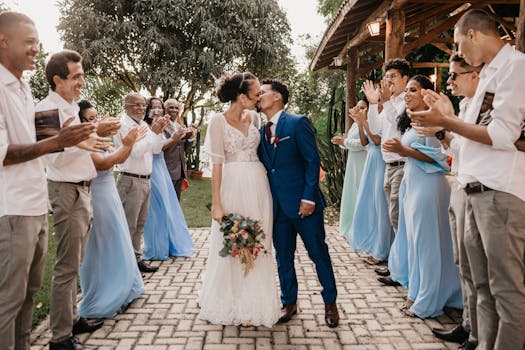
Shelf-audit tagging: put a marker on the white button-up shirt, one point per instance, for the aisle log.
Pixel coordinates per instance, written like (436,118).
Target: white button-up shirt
(500,166)
(385,123)
(23,187)
(453,147)
(140,161)
(73,164)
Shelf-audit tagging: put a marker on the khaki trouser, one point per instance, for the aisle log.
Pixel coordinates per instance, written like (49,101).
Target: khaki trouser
(495,242)
(23,249)
(458,199)
(134,194)
(72,214)
(393,177)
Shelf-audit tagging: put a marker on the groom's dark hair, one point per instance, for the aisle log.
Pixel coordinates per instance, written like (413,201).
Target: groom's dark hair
(279,87)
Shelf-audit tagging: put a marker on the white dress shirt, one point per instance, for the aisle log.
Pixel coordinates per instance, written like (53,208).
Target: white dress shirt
(73,164)
(500,166)
(453,147)
(23,186)
(385,123)
(140,161)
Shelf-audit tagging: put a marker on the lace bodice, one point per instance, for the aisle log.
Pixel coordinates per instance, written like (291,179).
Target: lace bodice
(226,144)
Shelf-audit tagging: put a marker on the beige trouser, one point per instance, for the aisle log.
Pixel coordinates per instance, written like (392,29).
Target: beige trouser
(393,177)
(495,243)
(72,214)
(456,211)
(23,249)
(134,194)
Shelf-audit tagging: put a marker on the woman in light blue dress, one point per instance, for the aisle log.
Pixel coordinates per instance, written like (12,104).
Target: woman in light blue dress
(433,278)
(109,276)
(371,231)
(354,168)
(165,233)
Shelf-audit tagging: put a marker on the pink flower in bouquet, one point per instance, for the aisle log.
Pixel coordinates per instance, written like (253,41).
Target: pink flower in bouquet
(231,237)
(235,252)
(244,234)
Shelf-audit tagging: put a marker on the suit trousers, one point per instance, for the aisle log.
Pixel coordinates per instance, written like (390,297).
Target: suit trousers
(456,210)
(72,214)
(392,182)
(135,194)
(23,249)
(495,243)
(312,232)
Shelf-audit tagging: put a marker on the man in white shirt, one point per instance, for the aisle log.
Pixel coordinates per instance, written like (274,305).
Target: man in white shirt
(391,93)
(69,175)
(23,190)
(492,173)
(133,183)
(462,80)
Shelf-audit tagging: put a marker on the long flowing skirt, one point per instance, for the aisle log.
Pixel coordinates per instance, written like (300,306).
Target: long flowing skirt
(165,233)
(228,297)
(354,169)
(371,231)
(109,276)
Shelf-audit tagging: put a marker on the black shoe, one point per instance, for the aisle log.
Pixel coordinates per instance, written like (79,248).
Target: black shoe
(68,344)
(288,312)
(85,326)
(331,315)
(457,334)
(468,346)
(382,271)
(143,267)
(388,281)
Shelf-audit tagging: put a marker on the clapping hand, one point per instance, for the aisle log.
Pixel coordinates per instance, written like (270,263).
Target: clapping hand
(71,135)
(96,143)
(394,145)
(159,124)
(108,126)
(386,90)
(371,92)
(134,135)
(358,115)
(440,109)
(338,140)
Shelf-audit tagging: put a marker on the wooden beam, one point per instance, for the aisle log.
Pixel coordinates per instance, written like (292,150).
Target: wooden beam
(430,64)
(395,32)
(351,85)
(363,34)
(433,33)
(520,36)
(363,70)
(443,48)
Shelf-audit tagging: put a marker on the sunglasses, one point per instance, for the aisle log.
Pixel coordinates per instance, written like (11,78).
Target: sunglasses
(454,75)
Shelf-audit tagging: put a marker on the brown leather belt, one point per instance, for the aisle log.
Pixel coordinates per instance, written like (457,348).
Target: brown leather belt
(476,187)
(136,175)
(398,163)
(81,183)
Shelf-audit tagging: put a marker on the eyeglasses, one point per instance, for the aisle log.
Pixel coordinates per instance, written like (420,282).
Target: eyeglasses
(136,105)
(454,75)
(392,75)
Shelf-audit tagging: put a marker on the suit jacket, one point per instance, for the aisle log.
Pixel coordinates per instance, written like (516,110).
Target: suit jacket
(175,157)
(292,164)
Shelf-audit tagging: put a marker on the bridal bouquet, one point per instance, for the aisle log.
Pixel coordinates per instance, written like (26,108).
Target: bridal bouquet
(242,238)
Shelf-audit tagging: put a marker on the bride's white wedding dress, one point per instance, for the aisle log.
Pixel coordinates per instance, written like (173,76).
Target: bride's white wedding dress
(228,297)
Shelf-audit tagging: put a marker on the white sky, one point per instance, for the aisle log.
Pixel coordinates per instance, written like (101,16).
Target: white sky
(302,15)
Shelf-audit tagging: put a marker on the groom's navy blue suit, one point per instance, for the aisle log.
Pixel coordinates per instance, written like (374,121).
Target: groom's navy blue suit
(293,172)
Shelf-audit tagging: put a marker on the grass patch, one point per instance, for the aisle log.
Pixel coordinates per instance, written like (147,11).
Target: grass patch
(194,201)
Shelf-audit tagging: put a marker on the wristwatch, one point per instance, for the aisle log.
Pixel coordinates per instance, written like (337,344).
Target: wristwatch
(440,135)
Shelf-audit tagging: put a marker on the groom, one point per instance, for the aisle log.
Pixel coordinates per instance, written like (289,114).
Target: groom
(288,150)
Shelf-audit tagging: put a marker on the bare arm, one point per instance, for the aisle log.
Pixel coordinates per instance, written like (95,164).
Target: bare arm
(394,145)
(117,157)
(217,212)
(375,137)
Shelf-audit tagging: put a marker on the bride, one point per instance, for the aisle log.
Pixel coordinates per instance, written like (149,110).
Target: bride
(240,186)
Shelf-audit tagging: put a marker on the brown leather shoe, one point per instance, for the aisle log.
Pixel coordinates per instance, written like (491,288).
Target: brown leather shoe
(288,312)
(331,315)
(143,267)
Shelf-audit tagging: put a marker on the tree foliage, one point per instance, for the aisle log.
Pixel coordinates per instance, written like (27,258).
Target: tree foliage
(38,80)
(328,8)
(177,46)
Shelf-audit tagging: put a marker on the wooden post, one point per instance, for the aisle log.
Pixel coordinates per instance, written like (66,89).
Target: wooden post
(520,37)
(351,85)
(395,33)
(438,72)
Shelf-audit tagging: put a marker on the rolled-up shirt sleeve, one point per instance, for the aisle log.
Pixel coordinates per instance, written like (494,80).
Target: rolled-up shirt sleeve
(3,140)
(508,111)
(373,118)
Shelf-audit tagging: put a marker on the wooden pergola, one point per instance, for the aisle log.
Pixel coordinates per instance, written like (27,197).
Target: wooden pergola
(404,25)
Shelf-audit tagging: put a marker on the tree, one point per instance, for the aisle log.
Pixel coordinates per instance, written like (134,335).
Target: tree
(176,46)
(106,94)
(328,9)
(38,80)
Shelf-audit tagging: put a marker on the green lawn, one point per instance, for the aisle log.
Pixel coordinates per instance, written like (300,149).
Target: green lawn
(194,201)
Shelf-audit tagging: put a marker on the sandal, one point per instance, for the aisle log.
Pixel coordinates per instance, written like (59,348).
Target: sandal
(372,261)
(409,313)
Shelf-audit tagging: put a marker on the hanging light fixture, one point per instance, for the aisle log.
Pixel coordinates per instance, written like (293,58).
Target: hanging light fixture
(374,28)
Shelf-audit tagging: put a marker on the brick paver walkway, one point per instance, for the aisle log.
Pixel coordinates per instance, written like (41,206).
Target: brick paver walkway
(165,318)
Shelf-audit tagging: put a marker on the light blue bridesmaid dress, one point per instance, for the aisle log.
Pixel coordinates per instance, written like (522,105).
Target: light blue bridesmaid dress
(165,233)
(354,169)
(371,231)
(433,278)
(109,276)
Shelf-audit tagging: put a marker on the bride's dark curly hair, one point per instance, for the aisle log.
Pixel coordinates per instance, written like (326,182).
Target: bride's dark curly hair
(403,121)
(232,85)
